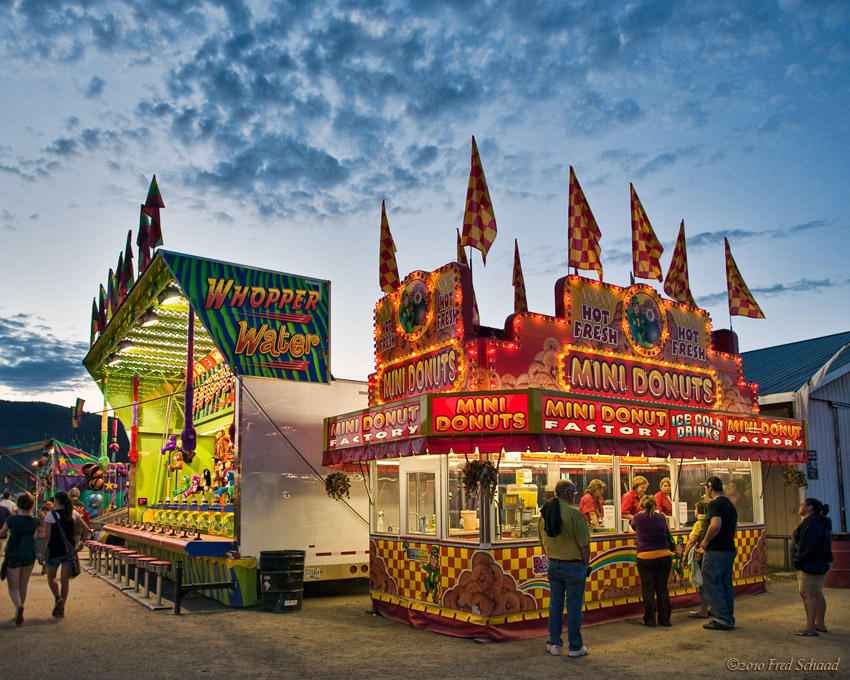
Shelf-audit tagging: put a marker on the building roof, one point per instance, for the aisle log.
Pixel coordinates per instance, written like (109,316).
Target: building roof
(786,368)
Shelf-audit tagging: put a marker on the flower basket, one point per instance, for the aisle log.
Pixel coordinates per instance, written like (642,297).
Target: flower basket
(479,474)
(793,476)
(337,485)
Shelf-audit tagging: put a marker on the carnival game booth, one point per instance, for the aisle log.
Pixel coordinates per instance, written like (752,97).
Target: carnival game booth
(220,372)
(620,383)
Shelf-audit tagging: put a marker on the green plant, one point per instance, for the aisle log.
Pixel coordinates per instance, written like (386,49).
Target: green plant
(479,474)
(337,485)
(793,476)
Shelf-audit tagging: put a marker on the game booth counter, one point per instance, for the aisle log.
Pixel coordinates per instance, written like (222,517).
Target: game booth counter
(220,373)
(619,384)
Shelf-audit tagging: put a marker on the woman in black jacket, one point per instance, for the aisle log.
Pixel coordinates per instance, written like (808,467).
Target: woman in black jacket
(811,555)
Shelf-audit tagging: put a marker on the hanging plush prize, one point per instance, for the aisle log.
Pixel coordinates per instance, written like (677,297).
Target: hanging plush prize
(133,453)
(189,437)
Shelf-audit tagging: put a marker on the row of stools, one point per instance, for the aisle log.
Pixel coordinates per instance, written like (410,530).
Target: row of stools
(114,563)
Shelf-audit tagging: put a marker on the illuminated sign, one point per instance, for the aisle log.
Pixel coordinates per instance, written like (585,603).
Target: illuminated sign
(436,371)
(480,414)
(690,426)
(578,416)
(266,324)
(770,432)
(389,423)
(594,372)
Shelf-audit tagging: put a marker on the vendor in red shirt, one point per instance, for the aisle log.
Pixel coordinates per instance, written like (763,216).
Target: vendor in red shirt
(591,504)
(665,503)
(630,505)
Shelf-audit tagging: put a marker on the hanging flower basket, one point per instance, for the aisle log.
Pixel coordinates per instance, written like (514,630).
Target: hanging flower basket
(479,474)
(337,485)
(794,477)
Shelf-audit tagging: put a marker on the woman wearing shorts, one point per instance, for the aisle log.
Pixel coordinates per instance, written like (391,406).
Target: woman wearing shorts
(20,552)
(62,520)
(811,555)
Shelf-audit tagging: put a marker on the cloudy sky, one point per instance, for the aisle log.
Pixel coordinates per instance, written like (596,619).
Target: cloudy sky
(275,129)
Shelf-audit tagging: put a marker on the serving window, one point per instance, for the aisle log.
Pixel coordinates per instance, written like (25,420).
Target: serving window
(387,497)
(520,493)
(737,486)
(462,507)
(595,488)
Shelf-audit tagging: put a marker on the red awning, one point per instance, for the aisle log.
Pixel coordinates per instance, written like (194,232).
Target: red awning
(563,443)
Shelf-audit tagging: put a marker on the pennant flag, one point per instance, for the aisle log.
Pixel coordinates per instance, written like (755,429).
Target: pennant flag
(741,301)
(461,253)
(584,233)
(677,284)
(77,413)
(95,322)
(479,222)
(110,295)
(388,278)
(646,250)
(461,259)
(127,277)
(152,205)
(520,301)
(143,240)
(121,291)
(101,311)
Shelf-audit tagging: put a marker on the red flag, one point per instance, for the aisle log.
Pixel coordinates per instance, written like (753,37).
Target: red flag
(119,280)
(741,301)
(461,259)
(520,300)
(646,250)
(461,253)
(143,240)
(583,231)
(127,277)
(95,322)
(677,284)
(479,222)
(388,278)
(152,205)
(102,311)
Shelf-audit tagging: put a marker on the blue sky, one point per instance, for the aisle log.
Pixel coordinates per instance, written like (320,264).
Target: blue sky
(275,129)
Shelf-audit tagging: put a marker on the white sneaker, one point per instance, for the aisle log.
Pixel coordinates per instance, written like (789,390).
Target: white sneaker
(578,652)
(554,650)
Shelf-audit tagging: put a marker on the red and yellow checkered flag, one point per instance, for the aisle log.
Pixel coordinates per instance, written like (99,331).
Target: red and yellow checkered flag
(479,222)
(646,250)
(388,278)
(741,301)
(677,284)
(583,231)
(520,300)
(461,259)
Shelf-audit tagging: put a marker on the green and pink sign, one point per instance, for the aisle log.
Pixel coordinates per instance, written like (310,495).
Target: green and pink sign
(267,324)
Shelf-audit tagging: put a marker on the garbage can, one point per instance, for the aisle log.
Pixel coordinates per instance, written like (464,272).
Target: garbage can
(839,575)
(282,580)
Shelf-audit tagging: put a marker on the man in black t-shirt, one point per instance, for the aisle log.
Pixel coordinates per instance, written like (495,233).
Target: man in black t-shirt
(719,558)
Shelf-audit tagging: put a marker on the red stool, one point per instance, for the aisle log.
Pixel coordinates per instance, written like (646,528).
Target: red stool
(142,564)
(121,561)
(159,567)
(131,562)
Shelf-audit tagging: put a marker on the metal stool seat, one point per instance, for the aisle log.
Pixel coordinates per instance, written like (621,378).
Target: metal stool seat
(120,561)
(132,562)
(142,565)
(158,567)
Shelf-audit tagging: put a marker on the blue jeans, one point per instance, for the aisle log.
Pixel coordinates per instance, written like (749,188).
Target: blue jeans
(566,579)
(717,584)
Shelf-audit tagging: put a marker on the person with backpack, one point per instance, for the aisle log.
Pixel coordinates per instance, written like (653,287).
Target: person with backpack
(20,552)
(59,550)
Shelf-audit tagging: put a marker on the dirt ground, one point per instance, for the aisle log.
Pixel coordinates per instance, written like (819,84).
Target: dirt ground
(105,634)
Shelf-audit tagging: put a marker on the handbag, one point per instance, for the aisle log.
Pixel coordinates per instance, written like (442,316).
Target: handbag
(69,549)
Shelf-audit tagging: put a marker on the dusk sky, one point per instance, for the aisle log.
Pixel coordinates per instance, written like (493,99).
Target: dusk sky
(275,129)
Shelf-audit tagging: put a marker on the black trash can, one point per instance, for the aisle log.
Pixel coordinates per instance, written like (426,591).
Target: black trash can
(282,580)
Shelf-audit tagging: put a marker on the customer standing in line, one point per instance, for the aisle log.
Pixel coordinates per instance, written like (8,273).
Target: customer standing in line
(566,543)
(54,552)
(20,552)
(654,561)
(719,558)
(811,555)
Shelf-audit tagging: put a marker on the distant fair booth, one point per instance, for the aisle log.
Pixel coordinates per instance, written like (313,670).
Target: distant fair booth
(221,373)
(619,383)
